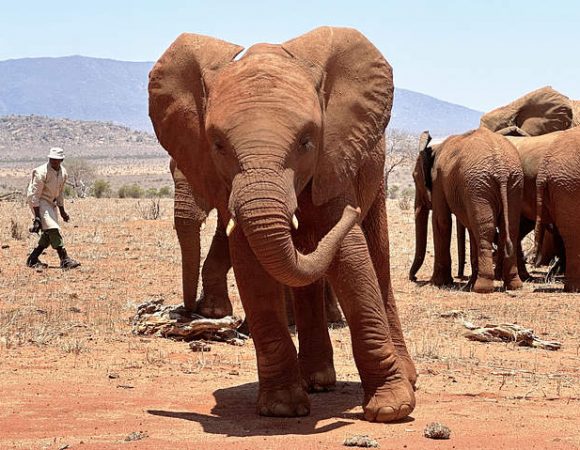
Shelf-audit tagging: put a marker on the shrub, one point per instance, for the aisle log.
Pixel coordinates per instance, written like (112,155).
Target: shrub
(101,188)
(393,191)
(165,191)
(130,191)
(151,210)
(16,230)
(69,191)
(151,193)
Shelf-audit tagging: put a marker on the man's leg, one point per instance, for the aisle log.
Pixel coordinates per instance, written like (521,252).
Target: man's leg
(32,260)
(57,242)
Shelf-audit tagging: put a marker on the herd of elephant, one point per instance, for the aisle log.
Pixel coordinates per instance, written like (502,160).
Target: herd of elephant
(499,188)
(287,143)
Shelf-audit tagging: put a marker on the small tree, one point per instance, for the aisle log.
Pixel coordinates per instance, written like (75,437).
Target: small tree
(401,150)
(80,175)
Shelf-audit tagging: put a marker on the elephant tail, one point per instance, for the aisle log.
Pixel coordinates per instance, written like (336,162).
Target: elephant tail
(509,246)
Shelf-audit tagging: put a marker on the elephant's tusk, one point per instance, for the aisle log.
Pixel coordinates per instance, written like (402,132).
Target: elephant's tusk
(203,225)
(295,222)
(230,227)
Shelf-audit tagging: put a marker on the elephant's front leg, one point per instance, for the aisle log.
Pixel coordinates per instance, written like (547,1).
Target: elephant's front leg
(214,301)
(281,391)
(377,234)
(388,395)
(315,355)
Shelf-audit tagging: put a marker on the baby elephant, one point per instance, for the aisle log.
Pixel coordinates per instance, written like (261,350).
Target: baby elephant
(478,177)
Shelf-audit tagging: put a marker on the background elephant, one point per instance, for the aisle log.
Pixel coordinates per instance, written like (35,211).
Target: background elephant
(558,196)
(288,143)
(476,176)
(214,302)
(531,150)
(189,213)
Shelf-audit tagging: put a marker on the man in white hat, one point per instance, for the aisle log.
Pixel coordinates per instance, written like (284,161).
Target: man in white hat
(45,194)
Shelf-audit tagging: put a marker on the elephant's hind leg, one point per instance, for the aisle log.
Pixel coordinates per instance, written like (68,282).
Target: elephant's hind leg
(214,301)
(375,227)
(315,355)
(281,391)
(388,395)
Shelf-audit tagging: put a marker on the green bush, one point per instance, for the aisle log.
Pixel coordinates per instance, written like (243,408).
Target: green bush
(151,193)
(130,191)
(165,191)
(393,191)
(69,191)
(101,188)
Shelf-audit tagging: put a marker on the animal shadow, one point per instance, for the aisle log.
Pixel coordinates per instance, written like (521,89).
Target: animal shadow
(235,414)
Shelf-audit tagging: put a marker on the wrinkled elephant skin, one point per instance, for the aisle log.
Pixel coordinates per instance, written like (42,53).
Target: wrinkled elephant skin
(288,143)
(476,176)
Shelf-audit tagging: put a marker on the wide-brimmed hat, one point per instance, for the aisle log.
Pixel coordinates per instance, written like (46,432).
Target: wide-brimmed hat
(56,153)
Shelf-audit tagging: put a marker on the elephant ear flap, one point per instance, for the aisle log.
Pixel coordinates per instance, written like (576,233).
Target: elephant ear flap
(426,159)
(356,87)
(177,96)
(424,140)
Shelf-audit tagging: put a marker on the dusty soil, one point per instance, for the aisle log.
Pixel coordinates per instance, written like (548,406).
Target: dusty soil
(73,374)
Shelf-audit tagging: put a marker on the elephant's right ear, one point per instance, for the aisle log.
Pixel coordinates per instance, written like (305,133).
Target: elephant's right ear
(177,99)
(425,160)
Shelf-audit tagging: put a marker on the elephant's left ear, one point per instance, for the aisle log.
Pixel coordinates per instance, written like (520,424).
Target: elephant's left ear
(356,83)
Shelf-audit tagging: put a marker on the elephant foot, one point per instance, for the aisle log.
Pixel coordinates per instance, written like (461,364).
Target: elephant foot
(408,369)
(514,284)
(524,275)
(483,286)
(441,280)
(284,402)
(572,285)
(214,306)
(318,380)
(395,400)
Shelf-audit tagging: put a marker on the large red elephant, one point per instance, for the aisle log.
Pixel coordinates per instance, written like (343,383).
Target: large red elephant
(288,143)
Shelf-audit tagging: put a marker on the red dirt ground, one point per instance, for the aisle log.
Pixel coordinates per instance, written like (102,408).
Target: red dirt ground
(73,374)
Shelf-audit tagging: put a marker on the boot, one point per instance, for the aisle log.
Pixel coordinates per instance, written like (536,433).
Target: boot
(33,261)
(66,262)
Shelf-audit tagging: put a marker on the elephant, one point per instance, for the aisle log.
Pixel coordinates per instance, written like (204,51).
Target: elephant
(558,194)
(476,176)
(189,213)
(287,142)
(531,150)
(189,216)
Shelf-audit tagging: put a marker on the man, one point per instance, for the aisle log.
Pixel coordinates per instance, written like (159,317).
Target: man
(45,193)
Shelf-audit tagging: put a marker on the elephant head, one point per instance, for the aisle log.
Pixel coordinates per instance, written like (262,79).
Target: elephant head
(423,186)
(255,132)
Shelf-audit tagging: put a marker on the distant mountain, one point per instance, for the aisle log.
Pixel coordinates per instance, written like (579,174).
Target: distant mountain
(28,138)
(78,87)
(415,112)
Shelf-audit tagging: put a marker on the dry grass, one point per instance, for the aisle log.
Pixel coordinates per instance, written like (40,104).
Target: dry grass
(80,319)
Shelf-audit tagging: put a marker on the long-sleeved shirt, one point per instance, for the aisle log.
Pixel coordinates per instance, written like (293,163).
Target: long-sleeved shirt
(47,184)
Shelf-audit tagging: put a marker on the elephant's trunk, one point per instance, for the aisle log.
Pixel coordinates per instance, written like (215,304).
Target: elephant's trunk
(263,206)
(421,222)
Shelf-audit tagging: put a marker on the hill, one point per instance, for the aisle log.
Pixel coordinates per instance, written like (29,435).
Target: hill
(82,88)
(28,138)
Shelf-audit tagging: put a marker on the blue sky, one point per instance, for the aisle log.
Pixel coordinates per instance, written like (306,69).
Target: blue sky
(480,54)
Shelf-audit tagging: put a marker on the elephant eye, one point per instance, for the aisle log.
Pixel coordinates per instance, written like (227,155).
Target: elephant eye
(306,143)
(218,146)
